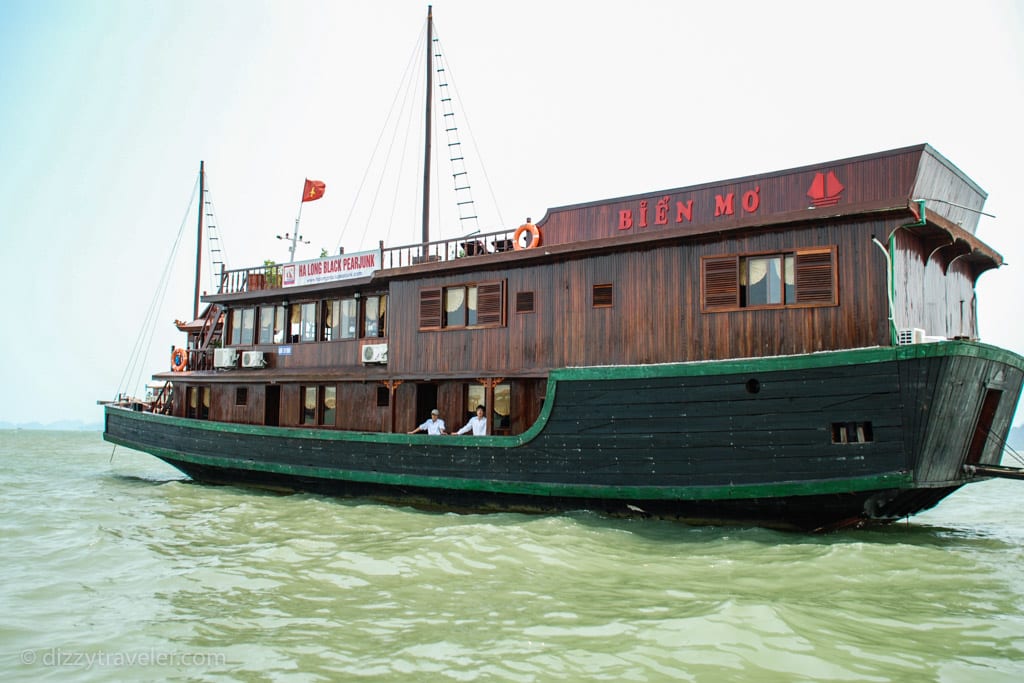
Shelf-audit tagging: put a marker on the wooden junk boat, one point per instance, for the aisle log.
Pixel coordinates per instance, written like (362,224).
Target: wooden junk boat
(797,349)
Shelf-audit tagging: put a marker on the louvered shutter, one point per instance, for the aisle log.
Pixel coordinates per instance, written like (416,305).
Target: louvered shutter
(489,301)
(430,309)
(720,282)
(815,277)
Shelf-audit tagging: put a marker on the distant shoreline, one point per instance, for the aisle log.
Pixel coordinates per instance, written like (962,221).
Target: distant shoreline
(61,426)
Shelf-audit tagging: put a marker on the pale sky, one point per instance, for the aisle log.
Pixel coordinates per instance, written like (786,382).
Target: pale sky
(107,107)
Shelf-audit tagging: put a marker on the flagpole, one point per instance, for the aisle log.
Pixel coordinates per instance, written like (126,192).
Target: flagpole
(295,235)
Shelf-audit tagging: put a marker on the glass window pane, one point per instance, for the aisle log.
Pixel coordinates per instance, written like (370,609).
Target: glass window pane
(455,307)
(370,323)
(266,324)
(308,322)
(764,280)
(790,280)
(330,326)
(382,325)
(236,326)
(475,394)
(248,323)
(309,405)
(502,406)
(471,305)
(330,405)
(279,316)
(348,319)
(293,329)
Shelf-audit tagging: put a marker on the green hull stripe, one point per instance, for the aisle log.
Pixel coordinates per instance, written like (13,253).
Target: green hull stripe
(889,480)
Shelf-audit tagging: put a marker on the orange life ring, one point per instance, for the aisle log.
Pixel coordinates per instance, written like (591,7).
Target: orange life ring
(534,236)
(179,360)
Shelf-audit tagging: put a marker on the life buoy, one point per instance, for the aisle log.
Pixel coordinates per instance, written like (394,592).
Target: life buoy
(526,227)
(179,360)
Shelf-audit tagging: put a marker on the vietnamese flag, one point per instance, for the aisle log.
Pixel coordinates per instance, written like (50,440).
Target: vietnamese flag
(313,190)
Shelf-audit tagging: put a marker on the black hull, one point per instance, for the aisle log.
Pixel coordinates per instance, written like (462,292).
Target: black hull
(814,513)
(749,442)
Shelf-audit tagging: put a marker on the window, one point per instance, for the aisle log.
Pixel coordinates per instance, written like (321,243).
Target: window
(383,397)
(197,403)
(271,324)
(852,432)
(799,278)
(294,323)
(459,306)
(475,396)
(307,319)
(328,415)
(602,296)
(501,416)
(332,310)
(339,319)
(243,321)
(347,319)
(241,396)
(308,416)
(463,306)
(374,316)
(319,405)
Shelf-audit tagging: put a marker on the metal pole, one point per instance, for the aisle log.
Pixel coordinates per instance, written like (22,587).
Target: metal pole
(199,237)
(426,152)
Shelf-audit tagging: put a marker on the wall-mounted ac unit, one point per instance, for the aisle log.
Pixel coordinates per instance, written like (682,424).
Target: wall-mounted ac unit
(910,336)
(374,353)
(253,359)
(225,358)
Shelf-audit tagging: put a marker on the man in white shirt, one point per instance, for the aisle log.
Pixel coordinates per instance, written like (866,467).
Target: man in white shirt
(477,423)
(435,425)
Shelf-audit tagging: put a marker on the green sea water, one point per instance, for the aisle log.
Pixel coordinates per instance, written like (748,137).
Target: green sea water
(114,567)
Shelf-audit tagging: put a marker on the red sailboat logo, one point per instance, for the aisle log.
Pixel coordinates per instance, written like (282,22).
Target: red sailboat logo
(825,189)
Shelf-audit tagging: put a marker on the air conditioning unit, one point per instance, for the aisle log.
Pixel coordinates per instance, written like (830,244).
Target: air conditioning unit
(253,359)
(910,336)
(225,358)
(374,353)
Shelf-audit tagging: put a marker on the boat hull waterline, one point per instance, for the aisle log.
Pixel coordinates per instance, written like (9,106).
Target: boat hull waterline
(811,442)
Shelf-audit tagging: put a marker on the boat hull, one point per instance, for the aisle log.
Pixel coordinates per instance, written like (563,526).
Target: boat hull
(816,441)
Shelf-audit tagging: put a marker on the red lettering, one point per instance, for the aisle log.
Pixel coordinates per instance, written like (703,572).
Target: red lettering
(752,199)
(625,219)
(684,211)
(661,211)
(724,206)
(643,214)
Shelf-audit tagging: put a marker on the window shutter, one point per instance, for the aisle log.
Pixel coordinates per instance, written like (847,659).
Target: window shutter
(815,277)
(720,282)
(489,307)
(430,309)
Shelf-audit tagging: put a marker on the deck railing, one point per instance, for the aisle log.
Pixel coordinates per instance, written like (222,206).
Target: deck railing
(268,276)
(477,244)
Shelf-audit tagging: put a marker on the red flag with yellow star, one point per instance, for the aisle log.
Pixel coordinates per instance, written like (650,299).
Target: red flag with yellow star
(313,190)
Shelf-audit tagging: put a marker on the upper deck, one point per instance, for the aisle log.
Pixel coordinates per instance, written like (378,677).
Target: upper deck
(890,181)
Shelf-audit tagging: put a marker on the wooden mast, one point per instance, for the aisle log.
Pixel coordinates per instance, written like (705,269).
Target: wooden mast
(199,238)
(426,152)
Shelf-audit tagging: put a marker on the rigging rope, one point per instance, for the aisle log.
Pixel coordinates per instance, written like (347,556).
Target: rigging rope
(133,371)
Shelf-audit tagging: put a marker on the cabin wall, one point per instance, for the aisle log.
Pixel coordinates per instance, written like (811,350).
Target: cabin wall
(930,294)
(655,316)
